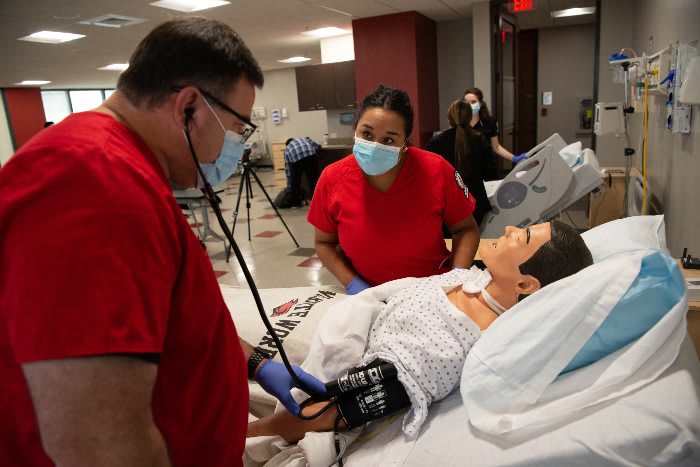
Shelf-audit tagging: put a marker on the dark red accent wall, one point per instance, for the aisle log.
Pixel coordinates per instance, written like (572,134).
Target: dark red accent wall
(400,50)
(25,112)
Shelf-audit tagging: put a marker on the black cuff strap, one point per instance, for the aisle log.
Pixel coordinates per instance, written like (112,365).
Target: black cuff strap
(254,360)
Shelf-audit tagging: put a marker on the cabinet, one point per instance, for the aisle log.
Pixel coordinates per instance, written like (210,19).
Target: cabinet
(278,164)
(326,86)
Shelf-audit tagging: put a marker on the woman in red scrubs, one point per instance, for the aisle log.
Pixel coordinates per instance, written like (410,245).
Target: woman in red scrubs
(378,212)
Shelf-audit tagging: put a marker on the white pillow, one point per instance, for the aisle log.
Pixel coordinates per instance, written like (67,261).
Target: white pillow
(626,235)
(511,377)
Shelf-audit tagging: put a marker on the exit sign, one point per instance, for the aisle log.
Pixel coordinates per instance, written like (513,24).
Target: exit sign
(522,5)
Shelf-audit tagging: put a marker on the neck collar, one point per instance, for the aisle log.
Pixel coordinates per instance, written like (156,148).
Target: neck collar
(492,302)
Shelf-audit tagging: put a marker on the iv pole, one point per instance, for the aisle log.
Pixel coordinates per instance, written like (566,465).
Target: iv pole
(629,152)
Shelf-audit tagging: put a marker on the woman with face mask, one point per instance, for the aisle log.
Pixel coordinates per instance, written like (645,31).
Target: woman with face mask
(378,212)
(484,123)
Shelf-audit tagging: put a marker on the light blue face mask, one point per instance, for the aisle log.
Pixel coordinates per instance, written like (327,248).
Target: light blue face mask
(475,108)
(225,164)
(375,158)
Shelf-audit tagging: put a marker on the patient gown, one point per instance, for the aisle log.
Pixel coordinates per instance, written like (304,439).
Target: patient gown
(427,338)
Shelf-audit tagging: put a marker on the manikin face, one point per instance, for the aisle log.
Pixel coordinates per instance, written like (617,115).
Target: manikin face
(504,256)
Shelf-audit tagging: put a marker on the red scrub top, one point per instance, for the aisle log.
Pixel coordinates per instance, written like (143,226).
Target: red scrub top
(398,233)
(98,259)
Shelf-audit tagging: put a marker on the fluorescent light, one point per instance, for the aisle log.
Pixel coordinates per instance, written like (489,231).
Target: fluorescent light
(294,60)
(115,67)
(32,82)
(189,5)
(51,37)
(573,12)
(326,32)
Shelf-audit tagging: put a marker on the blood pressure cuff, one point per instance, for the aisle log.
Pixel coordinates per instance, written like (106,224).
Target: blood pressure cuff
(372,402)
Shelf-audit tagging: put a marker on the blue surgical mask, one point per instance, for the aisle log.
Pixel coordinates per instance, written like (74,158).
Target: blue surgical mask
(225,164)
(476,107)
(375,158)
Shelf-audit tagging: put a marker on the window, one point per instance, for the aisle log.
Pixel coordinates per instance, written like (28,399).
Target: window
(56,105)
(81,100)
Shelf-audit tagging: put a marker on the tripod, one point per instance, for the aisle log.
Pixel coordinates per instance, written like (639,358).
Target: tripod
(248,169)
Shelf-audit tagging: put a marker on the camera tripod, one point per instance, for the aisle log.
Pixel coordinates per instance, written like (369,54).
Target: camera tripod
(248,169)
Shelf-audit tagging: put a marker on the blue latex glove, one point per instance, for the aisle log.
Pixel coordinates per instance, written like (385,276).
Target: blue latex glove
(274,378)
(517,159)
(356,286)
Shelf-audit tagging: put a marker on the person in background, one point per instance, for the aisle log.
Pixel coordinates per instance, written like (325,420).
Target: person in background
(378,212)
(300,158)
(483,122)
(467,151)
(121,350)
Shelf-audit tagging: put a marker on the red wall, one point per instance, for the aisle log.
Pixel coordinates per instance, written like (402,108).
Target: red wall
(400,51)
(25,113)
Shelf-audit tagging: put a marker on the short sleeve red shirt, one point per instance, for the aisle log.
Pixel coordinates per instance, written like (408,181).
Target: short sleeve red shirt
(98,259)
(398,233)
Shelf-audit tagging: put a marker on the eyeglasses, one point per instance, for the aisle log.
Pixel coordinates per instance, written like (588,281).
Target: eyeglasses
(250,127)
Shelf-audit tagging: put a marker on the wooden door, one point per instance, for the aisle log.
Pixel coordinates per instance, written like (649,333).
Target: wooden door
(526,119)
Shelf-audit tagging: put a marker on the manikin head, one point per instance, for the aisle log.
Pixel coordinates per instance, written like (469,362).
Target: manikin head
(525,260)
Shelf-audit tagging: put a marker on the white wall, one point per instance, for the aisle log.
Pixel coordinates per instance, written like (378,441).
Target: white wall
(455,63)
(616,24)
(565,67)
(481,32)
(280,91)
(673,160)
(6,149)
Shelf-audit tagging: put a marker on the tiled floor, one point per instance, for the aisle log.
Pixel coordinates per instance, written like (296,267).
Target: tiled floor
(272,257)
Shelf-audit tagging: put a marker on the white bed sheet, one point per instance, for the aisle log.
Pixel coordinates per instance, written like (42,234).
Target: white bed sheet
(658,424)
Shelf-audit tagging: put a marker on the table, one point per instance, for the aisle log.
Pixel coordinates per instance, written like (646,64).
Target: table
(194,198)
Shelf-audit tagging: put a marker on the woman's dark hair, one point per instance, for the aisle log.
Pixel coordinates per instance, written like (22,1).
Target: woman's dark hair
(459,115)
(484,113)
(563,255)
(392,99)
(183,52)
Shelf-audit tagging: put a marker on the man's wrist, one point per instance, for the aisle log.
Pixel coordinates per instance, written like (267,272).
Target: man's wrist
(255,361)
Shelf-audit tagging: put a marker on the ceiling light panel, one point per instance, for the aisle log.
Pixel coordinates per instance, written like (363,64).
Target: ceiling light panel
(51,37)
(188,6)
(32,82)
(115,67)
(294,60)
(573,12)
(326,32)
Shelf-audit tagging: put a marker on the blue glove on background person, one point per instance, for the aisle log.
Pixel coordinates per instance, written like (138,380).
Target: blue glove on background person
(517,159)
(274,378)
(356,286)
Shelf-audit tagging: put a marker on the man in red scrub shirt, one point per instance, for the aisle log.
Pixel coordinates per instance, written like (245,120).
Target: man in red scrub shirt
(116,347)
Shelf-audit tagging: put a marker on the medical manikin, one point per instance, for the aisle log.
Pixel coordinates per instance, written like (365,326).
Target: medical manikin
(418,343)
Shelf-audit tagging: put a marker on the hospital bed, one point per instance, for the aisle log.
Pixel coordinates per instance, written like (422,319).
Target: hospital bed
(655,423)
(540,187)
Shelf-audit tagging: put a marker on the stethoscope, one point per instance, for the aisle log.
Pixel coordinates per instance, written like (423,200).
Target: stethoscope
(210,196)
